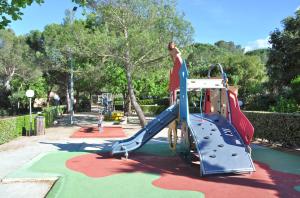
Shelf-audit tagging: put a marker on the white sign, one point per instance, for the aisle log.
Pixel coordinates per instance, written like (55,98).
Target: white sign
(29,93)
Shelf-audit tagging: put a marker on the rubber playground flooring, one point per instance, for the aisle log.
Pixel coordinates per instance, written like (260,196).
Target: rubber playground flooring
(155,171)
(93,132)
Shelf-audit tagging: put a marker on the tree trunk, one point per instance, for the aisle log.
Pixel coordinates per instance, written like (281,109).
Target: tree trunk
(127,103)
(136,106)
(48,96)
(128,67)
(68,99)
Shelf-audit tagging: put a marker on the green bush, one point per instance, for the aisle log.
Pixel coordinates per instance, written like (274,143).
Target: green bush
(23,124)
(51,113)
(282,128)
(119,107)
(152,110)
(13,127)
(163,101)
(7,129)
(285,105)
(84,105)
(4,112)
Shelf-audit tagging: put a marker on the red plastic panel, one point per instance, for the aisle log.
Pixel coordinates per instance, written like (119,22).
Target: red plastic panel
(207,103)
(239,120)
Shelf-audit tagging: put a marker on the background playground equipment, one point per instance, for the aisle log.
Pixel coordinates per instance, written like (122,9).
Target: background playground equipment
(219,136)
(117,115)
(105,101)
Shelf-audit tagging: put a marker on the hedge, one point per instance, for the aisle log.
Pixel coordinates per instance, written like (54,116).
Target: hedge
(152,110)
(282,128)
(51,113)
(13,127)
(163,101)
(8,129)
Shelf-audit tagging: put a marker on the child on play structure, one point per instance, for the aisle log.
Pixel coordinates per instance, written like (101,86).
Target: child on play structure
(173,51)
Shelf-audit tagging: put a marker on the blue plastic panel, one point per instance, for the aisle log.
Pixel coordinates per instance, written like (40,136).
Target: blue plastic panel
(184,104)
(219,145)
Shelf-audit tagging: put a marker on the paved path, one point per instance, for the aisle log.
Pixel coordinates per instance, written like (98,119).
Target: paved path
(22,150)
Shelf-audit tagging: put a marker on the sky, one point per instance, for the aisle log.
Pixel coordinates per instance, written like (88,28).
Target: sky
(247,23)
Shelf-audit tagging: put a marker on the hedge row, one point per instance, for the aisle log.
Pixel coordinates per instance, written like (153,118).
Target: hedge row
(8,129)
(282,128)
(13,127)
(163,101)
(152,110)
(52,113)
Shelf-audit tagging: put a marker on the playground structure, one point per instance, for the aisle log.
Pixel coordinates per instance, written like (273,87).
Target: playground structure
(105,101)
(219,136)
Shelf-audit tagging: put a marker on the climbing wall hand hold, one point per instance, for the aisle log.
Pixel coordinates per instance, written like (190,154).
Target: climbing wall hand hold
(212,156)
(234,154)
(213,129)
(221,145)
(206,137)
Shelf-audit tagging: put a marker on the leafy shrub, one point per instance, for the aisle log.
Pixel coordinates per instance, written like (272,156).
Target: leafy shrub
(23,124)
(119,107)
(7,129)
(163,101)
(84,105)
(13,127)
(4,112)
(51,113)
(152,110)
(285,105)
(283,128)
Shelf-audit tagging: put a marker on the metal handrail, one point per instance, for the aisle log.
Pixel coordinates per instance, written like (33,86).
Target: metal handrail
(225,80)
(224,76)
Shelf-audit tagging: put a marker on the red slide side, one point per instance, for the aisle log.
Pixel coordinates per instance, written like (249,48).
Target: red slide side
(239,120)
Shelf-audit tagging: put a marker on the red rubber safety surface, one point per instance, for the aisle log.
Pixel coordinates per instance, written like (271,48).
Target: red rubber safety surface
(177,175)
(93,132)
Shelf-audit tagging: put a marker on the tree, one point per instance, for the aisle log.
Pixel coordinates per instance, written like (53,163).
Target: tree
(15,60)
(245,71)
(11,10)
(283,65)
(138,33)
(229,46)
(262,53)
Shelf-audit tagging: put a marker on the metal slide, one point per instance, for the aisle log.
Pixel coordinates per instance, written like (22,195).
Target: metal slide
(219,145)
(146,133)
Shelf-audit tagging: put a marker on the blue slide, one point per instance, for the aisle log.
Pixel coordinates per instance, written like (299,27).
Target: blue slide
(146,133)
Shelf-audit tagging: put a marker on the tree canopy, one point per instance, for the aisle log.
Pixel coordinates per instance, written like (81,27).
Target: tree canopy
(121,47)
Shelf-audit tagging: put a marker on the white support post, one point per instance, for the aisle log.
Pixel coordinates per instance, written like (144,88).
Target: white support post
(197,84)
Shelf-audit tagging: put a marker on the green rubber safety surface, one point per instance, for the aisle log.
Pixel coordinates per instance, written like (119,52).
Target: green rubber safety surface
(160,149)
(277,160)
(74,184)
(141,184)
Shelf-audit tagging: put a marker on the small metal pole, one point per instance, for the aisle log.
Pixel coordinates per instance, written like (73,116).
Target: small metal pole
(30,120)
